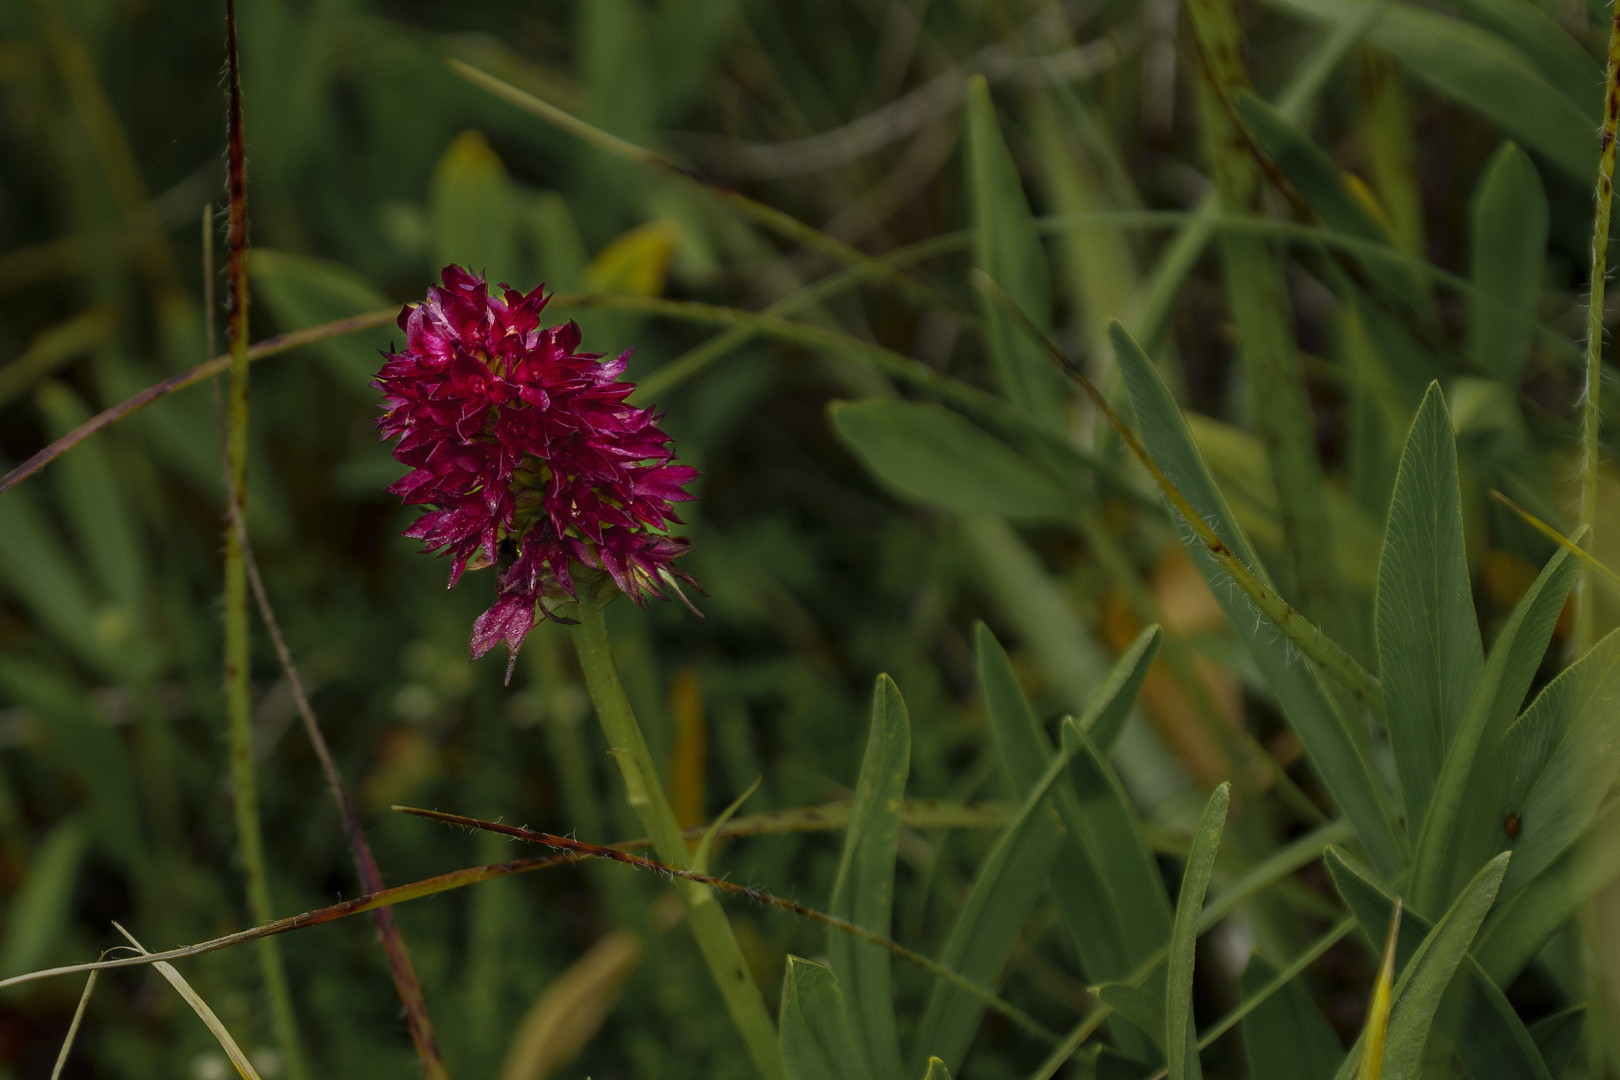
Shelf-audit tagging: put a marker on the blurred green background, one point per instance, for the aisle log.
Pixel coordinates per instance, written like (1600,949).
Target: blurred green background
(371,165)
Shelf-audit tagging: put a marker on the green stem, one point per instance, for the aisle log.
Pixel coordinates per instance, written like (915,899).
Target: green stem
(646,796)
(1585,623)
(238,696)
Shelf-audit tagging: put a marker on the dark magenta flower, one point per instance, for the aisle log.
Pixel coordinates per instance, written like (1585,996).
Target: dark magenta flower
(527,455)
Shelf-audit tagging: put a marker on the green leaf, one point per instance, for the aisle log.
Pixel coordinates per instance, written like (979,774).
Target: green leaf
(42,907)
(1429,653)
(97,504)
(1557,1036)
(1564,751)
(863,892)
(1477,69)
(1008,248)
(1332,745)
(35,568)
(937,1070)
(84,747)
(1108,888)
(1527,920)
(1510,223)
(1104,721)
(1547,47)
(1008,882)
(1464,829)
(1491,1040)
(1180,1036)
(1285,1037)
(1138,1004)
(474,211)
(935,456)
(1322,184)
(304,291)
(1424,982)
(816,1040)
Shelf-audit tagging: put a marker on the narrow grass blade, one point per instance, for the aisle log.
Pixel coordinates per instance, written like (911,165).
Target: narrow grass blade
(1429,652)
(863,891)
(73,1027)
(816,1040)
(1104,721)
(1180,1037)
(1375,1032)
(38,917)
(1140,1005)
(239,1060)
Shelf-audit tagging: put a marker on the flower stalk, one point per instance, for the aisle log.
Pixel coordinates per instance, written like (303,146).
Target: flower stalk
(238,696)
(647,799)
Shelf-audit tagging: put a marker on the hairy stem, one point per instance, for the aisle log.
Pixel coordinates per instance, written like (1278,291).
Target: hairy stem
(646,795)
(1585,622)
(238,697)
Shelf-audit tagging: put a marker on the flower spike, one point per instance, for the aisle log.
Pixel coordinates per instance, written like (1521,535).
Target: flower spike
(527,456)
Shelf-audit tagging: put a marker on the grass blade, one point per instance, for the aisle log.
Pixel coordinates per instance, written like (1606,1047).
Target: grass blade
(1285,1036)
(1180,1037)
(863,892)
(239,1060)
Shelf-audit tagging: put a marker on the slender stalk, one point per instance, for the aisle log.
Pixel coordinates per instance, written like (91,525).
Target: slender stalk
(238,697)
(1585,621)
(646,796)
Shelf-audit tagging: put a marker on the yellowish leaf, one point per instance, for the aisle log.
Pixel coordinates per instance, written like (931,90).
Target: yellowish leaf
(569,1011)
(636,261)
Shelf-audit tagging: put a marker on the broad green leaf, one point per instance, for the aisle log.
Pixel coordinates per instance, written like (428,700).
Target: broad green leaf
(1332,745)
(1491,1039)
(1564,751)
(1510,223)
(1463,829)
(301,291)
(1109,892)
(107,535)
(863,892)
(1008,248)
(474,211)
(42,906)
(1429,653)
(1557,1036)
(1008,882)
(1527,920)
(1138,1004)
(937,1070)
(1180,1036)
(1546,45)
(1286,1037)
(1478,69)
(816,1040)
(931,454)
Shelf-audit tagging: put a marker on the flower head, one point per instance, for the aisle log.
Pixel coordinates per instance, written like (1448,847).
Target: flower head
(527,455)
